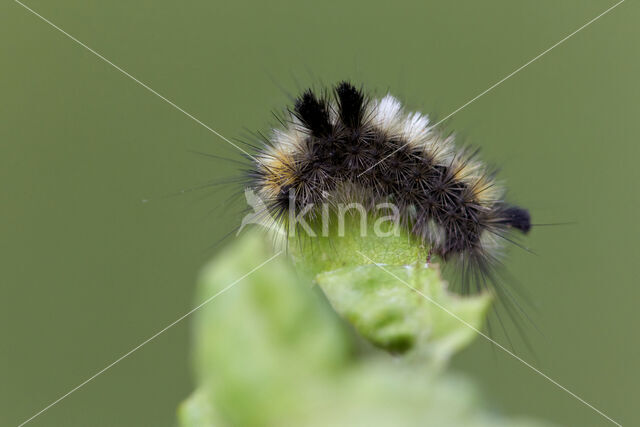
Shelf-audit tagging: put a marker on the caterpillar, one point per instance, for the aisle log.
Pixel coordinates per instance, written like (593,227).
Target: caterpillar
(341,138)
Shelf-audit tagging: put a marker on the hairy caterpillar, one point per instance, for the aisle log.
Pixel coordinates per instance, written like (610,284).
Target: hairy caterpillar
(446,198)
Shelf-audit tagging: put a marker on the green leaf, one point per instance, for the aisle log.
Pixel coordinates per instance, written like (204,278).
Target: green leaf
(339,247)
(400,308)
(270,351)
(197,410)
(399,305)
(265,335)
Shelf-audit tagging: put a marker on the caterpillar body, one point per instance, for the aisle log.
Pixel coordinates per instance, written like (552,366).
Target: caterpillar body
(343,139)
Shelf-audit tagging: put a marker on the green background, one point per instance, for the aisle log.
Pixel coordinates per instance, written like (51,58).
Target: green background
(88,271)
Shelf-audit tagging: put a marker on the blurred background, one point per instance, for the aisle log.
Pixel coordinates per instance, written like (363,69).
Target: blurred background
(90,270)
